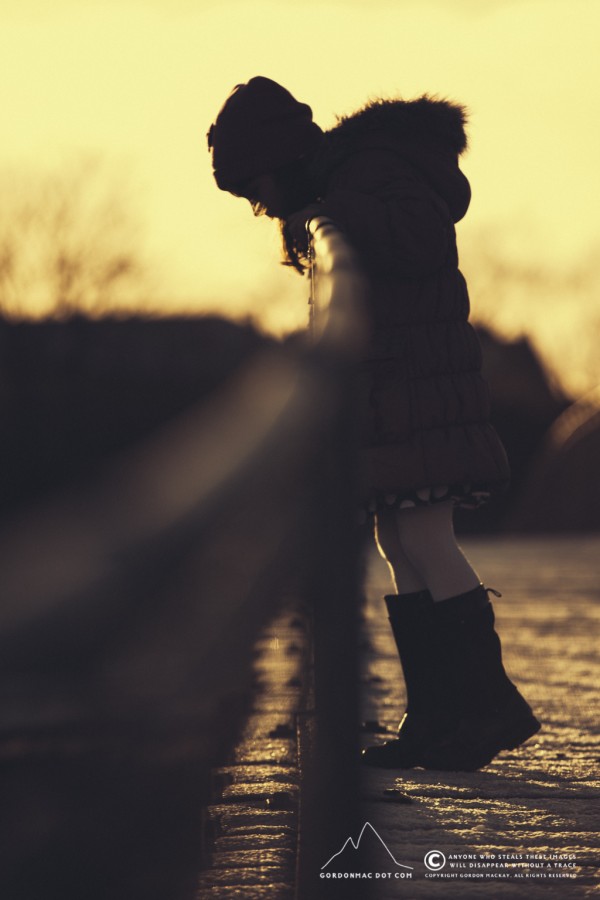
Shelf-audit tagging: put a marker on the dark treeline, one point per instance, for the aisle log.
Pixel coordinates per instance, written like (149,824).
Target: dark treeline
(74,392)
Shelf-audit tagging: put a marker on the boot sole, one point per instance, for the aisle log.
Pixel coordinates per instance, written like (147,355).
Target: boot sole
(460,756)
(521,733)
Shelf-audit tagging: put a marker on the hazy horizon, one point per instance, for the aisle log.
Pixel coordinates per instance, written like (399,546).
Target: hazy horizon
(139,84)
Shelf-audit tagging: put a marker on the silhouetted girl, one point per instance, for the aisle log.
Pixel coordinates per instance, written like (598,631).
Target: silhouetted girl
(388,175)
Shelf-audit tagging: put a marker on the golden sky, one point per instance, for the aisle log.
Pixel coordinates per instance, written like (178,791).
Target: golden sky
(139,82)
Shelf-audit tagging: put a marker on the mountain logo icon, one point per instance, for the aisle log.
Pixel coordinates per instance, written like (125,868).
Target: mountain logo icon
(350,843)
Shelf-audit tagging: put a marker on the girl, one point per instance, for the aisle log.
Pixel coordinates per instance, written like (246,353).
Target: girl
(388,175)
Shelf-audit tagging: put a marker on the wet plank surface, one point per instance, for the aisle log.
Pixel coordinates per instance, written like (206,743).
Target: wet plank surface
(526,825)
(253,819)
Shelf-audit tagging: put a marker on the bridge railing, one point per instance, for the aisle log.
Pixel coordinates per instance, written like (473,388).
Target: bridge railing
(330,788)
(130,602)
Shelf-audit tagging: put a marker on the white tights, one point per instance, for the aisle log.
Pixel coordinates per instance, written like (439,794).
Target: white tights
(420,548)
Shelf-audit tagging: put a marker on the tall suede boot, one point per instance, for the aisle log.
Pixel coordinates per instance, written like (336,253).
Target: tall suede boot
(427,718)
(491,714)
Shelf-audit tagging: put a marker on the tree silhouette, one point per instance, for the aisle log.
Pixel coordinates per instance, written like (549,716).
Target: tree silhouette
(554,304)
(68,243)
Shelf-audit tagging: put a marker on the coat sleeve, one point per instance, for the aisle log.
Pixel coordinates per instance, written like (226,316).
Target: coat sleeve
(396,222)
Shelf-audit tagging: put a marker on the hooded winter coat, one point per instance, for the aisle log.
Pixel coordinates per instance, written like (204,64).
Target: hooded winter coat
(393,184)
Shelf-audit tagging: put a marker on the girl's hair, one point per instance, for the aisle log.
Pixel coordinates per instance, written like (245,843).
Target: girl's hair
(294,254)
(299,186)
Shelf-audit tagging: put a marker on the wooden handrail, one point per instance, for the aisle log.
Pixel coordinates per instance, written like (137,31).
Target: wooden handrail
(330,770)
(133,600)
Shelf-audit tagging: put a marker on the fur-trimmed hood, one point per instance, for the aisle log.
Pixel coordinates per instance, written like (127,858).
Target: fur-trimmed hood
(427,132)
(427,119)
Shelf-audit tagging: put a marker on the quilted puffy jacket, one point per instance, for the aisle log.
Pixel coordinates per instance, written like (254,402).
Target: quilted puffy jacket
(391,180)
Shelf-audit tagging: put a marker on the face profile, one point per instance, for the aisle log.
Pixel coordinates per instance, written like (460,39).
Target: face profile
(280,193)
(267,196)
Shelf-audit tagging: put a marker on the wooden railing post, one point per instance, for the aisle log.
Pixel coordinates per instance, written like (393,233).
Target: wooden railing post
(329,812)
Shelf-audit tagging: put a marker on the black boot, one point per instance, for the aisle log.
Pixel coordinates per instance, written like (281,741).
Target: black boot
(492,714)
(428,718)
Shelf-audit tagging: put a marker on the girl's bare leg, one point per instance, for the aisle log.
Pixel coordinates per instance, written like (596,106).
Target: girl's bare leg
(426,553)
(406,579)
